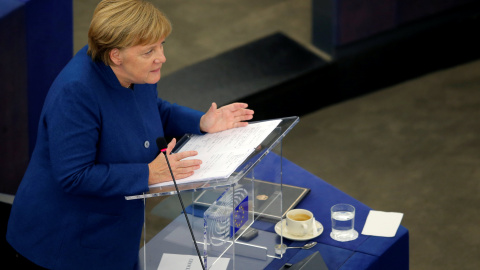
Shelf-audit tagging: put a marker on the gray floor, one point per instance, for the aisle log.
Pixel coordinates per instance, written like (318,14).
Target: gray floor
(412,148)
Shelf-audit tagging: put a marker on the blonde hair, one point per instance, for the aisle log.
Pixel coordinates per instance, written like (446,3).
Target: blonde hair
(122,24)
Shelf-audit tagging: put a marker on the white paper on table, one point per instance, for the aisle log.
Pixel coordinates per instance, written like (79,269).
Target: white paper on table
(222,152)
(382,223)
(181,262)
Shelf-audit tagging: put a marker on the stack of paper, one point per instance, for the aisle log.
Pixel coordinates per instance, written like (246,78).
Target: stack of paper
(222,152)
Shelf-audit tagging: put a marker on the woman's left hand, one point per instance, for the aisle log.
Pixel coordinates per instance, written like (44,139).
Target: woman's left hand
(226,117)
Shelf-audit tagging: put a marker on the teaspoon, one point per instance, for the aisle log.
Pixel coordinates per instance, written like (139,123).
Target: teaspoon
(280,249)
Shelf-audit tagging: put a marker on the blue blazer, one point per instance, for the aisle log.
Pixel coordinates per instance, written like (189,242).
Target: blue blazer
(95,139)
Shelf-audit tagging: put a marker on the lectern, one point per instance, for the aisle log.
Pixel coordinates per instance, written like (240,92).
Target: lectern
(229,216)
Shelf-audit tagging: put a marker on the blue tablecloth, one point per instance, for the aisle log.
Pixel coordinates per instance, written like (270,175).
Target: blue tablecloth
(366,252)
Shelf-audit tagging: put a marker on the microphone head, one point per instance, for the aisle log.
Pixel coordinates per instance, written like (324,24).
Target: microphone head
(162,144)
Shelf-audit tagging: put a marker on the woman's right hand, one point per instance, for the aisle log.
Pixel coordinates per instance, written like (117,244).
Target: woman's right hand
(158,168)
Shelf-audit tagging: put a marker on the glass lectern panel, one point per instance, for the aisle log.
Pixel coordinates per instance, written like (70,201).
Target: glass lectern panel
(236,221)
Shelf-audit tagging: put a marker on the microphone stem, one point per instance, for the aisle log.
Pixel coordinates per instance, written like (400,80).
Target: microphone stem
(184,212)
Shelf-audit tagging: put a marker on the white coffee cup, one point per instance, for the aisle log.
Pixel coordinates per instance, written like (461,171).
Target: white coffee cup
(299,222)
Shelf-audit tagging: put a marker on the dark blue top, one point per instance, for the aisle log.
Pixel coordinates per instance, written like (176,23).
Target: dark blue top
(95,139)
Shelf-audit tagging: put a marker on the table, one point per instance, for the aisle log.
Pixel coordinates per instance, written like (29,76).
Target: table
(366,252)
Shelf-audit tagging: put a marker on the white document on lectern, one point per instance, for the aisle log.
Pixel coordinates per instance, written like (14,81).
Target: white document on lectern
(222,152)
(189,262)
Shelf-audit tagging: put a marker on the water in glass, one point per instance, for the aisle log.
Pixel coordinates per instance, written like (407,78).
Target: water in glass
(342,225)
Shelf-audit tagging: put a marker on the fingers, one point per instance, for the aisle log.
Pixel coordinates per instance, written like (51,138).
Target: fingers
(189,163)
(225,117)
(213,107)
(243,115)
(183,172)
(183,164)
(240,105)
(240,121)
(239,109)
(241,124)
(181,167)
(185,167)
(171,145)
(182,155)
(240,114)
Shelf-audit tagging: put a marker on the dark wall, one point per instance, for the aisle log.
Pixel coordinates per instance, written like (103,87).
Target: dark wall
(340,22)
(13,96)
(38,43)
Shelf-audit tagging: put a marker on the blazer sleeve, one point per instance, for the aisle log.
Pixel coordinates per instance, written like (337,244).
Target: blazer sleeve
(178,120)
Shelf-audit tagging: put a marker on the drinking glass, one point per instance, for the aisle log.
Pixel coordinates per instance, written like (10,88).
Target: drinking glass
(343,221)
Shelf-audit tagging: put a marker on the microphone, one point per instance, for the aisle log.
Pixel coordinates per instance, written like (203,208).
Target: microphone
(162,146)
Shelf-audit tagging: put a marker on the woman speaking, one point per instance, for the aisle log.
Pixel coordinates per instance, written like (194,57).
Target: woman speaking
(96,145)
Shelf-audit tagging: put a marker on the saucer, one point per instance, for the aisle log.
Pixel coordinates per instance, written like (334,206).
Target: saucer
(294,237)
